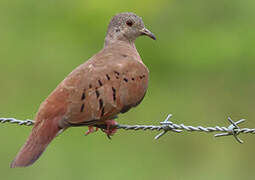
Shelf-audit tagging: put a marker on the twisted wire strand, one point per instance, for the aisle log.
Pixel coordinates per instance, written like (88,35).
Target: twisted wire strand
(165,126)
(16,121)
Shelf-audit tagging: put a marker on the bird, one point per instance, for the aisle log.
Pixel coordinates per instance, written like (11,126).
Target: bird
(111,82)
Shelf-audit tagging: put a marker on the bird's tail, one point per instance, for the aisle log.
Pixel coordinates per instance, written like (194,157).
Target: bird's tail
(42,134)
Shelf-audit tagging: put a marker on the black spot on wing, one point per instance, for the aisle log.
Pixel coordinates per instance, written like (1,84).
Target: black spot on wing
(114,93)
(100,83)
(82,107)
(108,77)
(83,96)
(101,103)
(117,73)
(141,77)
(97,93)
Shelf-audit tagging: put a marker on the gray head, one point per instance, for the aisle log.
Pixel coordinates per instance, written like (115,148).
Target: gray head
(126,27)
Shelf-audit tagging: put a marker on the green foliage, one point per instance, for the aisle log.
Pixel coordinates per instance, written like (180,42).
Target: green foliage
(201,70)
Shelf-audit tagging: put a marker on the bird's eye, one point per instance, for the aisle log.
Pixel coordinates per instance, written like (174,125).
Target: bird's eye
(129,23)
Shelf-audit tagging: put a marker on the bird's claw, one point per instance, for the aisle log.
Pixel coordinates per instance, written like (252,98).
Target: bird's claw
(110,131)
(91,130)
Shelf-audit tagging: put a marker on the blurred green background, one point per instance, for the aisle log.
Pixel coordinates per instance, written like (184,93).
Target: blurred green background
(201,70)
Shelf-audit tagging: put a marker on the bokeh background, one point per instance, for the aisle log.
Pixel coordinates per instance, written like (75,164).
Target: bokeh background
(201,71)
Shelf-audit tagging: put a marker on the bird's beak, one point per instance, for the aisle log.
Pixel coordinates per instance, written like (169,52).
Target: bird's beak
(146,32)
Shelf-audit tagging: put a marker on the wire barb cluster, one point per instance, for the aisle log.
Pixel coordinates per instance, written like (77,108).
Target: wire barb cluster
(165,126)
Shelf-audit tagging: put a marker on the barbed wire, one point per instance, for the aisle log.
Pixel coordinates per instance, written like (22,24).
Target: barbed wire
(165,126)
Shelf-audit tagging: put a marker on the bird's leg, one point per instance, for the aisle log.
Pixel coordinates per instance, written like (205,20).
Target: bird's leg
(91,130)
(109,130)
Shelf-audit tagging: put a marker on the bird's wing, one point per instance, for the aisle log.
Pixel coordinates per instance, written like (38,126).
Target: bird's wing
(103,89)
(106,85)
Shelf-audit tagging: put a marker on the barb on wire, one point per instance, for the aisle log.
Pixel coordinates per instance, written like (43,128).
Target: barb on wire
(165,126)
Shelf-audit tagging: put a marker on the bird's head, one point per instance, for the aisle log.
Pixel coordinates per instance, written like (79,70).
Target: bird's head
(127,27)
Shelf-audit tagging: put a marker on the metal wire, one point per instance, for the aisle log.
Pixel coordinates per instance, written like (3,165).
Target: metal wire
(165,126)
(16,121)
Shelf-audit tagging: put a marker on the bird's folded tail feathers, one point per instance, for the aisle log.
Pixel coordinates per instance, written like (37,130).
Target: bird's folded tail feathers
(42,134)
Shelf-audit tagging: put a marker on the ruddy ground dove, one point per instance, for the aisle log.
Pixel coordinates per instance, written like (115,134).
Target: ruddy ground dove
(111,82)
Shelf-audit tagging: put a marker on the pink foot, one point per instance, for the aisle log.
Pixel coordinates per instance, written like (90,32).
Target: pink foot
(90,130)
(110,131)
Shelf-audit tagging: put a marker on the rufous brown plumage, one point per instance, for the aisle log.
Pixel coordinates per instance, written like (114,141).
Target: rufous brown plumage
(111,82)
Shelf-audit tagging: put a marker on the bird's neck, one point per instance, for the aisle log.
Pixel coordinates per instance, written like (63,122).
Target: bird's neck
(123,45)
(110,40)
